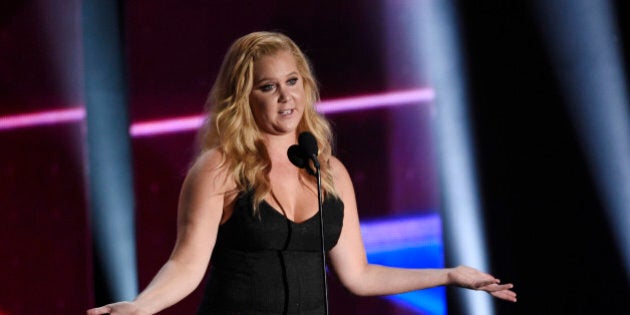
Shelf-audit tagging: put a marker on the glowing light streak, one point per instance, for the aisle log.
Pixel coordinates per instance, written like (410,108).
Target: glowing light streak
(53,117)
(461,211)
(188,123)
(150,128)
(366,102)
(583,38)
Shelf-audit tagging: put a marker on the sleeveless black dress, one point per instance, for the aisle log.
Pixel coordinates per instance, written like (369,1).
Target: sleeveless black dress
(268,264)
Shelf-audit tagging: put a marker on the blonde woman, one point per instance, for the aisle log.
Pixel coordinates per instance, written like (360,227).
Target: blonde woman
(249,211)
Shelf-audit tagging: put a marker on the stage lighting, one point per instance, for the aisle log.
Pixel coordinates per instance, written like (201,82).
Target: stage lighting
(461,208)
(582,38)
(108,162)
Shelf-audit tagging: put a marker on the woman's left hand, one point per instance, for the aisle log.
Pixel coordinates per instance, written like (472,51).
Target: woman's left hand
(471,278)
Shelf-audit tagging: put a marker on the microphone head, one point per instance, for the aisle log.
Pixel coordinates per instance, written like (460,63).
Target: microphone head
(297,156)
(308,143)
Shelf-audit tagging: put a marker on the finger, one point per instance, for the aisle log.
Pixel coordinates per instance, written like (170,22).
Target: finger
(505,295)
(99,310)
(505,292)
(501,287)
(482,284)
(496,287)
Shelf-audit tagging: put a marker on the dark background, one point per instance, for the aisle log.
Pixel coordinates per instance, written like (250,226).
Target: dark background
(547,229)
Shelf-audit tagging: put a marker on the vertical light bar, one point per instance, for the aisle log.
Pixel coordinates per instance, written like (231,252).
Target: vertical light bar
(413,174)
(108,145)
(463,224)
(583,41)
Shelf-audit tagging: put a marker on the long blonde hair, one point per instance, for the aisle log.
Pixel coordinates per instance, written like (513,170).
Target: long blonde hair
(231,127)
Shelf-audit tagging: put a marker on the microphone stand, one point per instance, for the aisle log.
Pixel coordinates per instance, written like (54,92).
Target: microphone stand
(300,155)
(321,230)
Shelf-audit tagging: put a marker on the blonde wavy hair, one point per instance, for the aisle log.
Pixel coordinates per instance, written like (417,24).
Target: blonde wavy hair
(231,128)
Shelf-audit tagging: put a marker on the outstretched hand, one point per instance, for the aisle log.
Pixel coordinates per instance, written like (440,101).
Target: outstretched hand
(120,308)
(471,278)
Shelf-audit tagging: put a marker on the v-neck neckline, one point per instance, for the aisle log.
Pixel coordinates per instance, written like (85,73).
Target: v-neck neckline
(273,209)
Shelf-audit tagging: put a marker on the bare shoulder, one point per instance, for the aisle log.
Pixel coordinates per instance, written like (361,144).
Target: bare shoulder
(341,177)
(339,170)
(209,171)
(208,160)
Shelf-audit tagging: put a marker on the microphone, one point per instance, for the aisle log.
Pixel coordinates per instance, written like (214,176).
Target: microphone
(298,157)
(309,146)
(306,149)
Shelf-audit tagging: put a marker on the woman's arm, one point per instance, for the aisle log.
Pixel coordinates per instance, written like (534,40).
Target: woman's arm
(200,210)
(349,260)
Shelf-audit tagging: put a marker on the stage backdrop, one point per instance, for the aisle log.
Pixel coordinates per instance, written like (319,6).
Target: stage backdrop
(173,52)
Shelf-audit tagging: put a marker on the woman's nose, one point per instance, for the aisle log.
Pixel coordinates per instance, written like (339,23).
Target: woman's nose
(283,94)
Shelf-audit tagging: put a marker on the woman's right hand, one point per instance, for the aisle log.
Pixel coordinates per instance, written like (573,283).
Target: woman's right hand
(120,308)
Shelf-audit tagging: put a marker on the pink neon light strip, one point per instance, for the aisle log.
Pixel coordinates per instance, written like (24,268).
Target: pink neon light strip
(42,118)
(150,128)
(375,101)
(180,124)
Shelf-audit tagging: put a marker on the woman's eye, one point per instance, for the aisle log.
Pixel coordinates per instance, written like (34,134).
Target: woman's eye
(292,81)
(266,87)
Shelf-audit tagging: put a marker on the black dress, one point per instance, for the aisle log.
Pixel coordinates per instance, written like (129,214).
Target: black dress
(268,264)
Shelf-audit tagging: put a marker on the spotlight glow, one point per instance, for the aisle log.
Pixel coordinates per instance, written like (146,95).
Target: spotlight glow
(109,173)
(583,39)
(462,209)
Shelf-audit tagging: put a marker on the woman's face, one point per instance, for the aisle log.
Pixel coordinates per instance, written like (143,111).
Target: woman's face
(277,98)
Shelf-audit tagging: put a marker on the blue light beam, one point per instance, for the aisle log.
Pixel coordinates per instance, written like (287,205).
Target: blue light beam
(461,209)
(108,145)
(583,40)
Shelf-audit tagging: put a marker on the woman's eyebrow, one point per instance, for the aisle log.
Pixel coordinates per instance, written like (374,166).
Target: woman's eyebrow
(292,73)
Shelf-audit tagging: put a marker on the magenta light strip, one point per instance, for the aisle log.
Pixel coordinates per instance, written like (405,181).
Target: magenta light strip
(150,128)
(144,129)
(42,118)
(187,123)
(389,99)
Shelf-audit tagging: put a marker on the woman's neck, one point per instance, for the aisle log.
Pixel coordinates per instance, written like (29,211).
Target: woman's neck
(277,146)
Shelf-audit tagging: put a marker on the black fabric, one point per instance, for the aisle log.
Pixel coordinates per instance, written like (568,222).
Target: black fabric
(268,264)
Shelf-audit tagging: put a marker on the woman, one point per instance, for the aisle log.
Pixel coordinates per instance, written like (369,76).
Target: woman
(246,205)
